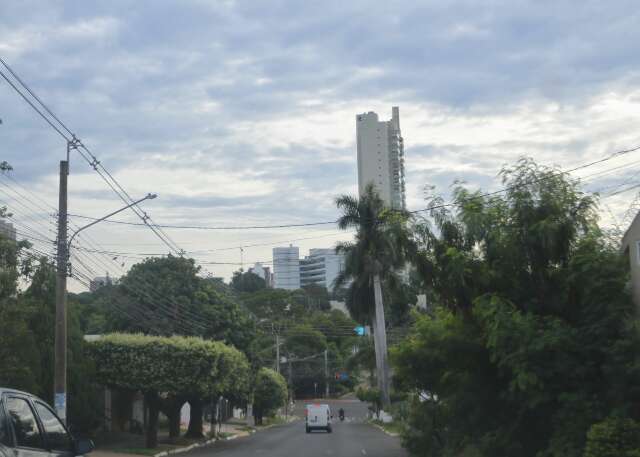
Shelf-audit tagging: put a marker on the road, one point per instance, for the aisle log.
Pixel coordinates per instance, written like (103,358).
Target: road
(350,438)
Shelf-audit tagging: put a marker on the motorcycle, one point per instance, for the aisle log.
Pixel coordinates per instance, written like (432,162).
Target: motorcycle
(341,415)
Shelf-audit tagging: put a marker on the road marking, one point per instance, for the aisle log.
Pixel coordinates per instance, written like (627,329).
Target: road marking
(364,452)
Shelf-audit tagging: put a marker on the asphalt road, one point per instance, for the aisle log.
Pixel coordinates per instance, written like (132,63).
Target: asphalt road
(350,438)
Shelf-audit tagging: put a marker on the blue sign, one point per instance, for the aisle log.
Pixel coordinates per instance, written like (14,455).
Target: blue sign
(360,331)
(60,404)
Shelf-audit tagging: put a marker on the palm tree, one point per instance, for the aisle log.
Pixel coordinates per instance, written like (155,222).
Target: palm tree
(379,251)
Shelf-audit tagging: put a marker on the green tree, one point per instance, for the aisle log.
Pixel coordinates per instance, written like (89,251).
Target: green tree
(178,366)
(534,339)
(316,297)
(12,264)
(162,289)
(380,250)
(174,300)
(269,394)
(247,282)
(613,437)
(18,352)
(19,367)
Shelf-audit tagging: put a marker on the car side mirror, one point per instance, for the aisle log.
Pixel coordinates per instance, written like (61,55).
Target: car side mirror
(84,447)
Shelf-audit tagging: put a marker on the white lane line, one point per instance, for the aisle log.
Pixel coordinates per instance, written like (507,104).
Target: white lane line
(364,452)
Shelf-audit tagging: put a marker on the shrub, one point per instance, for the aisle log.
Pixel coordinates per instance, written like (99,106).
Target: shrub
(613,437)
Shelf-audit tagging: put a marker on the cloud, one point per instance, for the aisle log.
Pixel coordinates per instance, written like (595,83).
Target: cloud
(244,112)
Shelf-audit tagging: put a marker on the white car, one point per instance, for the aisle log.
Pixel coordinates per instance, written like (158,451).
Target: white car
(318,417)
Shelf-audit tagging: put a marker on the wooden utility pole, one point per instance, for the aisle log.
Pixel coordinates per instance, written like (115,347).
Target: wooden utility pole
(60,375)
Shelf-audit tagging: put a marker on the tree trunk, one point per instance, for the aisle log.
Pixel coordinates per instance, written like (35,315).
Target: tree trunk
(171,407)
(173,414)
(195,419)
(151,432)
(380,343)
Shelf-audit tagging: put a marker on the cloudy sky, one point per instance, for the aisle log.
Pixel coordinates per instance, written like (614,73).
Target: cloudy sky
(243,112)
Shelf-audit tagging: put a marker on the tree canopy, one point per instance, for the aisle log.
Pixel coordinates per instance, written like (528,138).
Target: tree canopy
(173,299)
(270,393)
(247,282)
(175,366)
(534,338)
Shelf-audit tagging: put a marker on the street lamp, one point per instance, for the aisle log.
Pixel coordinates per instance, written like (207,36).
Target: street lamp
(64,248)
(147,197)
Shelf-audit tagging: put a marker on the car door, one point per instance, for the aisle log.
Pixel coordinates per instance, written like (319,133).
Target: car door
(57,440)
(6,437)
(27,436)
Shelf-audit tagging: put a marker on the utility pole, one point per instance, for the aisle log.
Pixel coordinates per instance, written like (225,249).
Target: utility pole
(62,265)
(290,378)
(277,353)
(326,375)
(60,370)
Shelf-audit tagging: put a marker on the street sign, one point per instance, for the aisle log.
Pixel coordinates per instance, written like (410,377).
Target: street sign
(360,331)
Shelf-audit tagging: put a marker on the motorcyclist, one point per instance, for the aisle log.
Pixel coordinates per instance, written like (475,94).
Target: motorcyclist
(341,414)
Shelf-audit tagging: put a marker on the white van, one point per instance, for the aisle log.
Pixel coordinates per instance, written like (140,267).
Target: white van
(317,417)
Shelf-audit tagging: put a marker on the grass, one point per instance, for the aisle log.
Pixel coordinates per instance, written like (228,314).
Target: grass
(392,427)
(277,420)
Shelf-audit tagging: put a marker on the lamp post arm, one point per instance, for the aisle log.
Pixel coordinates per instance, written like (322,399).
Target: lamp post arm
(147,197)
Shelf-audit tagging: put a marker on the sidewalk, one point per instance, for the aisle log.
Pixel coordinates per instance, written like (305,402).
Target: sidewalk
(133,445)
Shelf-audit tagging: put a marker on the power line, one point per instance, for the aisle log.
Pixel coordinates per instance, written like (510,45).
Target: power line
(203,227)
(533,181)
(74,143)
(429,208)
(160,301)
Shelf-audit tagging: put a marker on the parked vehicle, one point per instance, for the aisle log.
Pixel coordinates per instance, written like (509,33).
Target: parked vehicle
(30,428)
(318,417)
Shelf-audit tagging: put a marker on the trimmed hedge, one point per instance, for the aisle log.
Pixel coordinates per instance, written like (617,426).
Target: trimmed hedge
(171,365)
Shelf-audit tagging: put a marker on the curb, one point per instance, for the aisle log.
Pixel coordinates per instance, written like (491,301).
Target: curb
(197,445)
(393,434)
(186,448)
(213,440)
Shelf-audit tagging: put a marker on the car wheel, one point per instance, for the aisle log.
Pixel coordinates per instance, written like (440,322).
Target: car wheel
(328,429)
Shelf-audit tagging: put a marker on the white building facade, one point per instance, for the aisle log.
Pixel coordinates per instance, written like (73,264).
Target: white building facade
(264,272)
(381,157)
(321,267)
(286,268)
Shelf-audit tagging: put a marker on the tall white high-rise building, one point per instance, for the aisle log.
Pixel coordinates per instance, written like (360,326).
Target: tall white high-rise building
(381,156)
(286,268)
(321,267)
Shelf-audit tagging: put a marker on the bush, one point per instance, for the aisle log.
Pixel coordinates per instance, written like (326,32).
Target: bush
(371,396)
(180,366)
(614,437)
(270,393)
